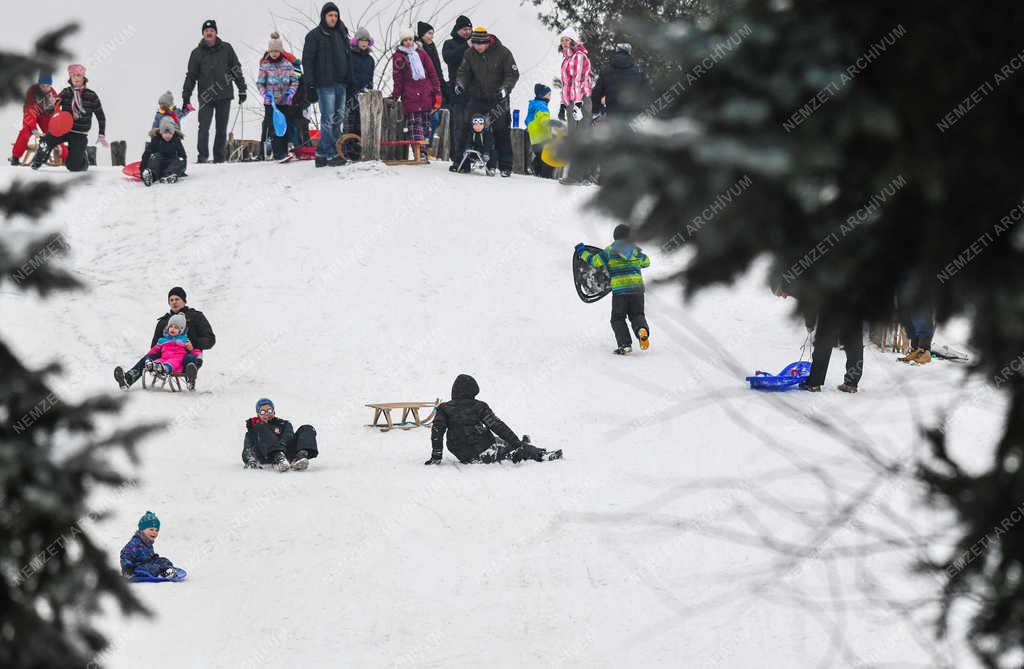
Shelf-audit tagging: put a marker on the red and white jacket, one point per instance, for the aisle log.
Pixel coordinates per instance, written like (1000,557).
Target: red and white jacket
(577,78)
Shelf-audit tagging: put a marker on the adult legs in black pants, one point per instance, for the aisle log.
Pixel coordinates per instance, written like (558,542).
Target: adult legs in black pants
(628,305)
(501,126)
(266,443)
(458,131)
(220,108)
(849,329)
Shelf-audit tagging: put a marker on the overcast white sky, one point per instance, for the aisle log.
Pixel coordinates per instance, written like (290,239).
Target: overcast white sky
(134,51)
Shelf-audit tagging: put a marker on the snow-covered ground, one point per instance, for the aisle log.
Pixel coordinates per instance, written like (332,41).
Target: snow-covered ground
(650,544)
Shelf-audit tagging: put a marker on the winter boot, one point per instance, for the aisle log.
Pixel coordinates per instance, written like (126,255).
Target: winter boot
(645,339)
(337,161)
(147,177)
(847,387)
(124,379)
(810,388)
(624,350)
(320,161)
(15,162)
(491,171)
(506,173)
(42,153)
(552,455)
(191,371)
(170,179)
(301,461)
(280,462)
(910,356)
(923,357)
(454,168)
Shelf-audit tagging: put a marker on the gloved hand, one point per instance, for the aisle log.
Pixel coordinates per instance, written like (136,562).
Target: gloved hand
(268,98)
(577,112)
(459,89)
(186,104)
(561,113)
(502,94)
(189,107)
(437,102)
(288,98)
(241,97)
(433,461)
(580,247)
(102,141)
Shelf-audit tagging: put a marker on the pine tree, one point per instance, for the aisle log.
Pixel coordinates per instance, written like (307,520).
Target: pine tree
(867,149)
(52,574)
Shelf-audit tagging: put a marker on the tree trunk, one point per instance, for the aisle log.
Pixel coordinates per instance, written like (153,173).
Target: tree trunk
(371,117)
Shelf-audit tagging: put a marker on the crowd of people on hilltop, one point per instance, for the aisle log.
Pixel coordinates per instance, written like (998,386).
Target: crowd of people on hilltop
(472,75)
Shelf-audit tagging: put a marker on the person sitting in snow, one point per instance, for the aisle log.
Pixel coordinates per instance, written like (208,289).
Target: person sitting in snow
(164,158)
(166,109)
(270,440)
(138,554)
(538,125)
(200,334)
(624,260)
(167,354)
(480,140)
(471,427)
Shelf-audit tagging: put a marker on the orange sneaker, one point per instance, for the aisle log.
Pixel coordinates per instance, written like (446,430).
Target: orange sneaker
(645,339)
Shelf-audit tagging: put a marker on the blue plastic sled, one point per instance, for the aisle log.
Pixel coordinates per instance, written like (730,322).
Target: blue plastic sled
(143,577)
(280,122)
(788,378)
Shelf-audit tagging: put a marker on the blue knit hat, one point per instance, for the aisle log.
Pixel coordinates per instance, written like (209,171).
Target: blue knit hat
(149,519)
(540,90)
(45,78)
(262,401)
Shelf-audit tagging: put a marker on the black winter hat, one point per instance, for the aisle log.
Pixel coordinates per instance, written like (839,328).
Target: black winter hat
(179,291)
(422,28)
(463,22)
(465,387)
(210,23)
(540,90)
(621,232)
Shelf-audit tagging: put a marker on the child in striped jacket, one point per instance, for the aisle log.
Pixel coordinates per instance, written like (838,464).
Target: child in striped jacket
(624,260)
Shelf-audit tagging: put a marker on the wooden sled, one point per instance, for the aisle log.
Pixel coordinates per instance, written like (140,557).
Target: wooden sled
(418,152)
(384,409)
(56,158)
(173,382)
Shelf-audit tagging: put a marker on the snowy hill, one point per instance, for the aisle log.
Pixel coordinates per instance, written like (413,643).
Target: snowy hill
(643,547)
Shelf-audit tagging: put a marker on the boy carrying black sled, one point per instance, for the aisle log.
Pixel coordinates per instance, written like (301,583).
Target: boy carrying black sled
(624,260)
(471,427)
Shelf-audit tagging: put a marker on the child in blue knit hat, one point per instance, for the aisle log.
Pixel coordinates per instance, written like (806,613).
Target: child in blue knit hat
(138,554)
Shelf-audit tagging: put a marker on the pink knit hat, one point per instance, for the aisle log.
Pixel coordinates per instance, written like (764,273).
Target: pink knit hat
(76,69)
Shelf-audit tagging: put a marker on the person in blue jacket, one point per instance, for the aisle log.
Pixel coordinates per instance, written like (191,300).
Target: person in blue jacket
(138,554)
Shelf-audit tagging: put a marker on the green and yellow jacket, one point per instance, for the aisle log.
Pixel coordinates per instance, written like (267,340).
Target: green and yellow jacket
(624,261)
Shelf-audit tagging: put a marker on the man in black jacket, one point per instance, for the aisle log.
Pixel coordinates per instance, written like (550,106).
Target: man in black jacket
(199,333)
(621,86)
(327,72)
(471,425)
(453,51)
(270,440)
(214,66)
(488,74)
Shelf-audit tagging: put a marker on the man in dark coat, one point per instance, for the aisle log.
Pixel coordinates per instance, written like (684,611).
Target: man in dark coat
(214,66)
(270,440)
(488,74)
(471,425)
(327,72)
(199,333)
(845,324)
(621,86)
(453,51)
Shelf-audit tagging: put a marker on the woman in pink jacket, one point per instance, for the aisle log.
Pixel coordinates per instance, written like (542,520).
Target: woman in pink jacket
(166,357)
(417,84)
(577,78)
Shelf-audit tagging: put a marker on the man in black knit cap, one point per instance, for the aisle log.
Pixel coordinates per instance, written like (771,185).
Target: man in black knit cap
(453,52)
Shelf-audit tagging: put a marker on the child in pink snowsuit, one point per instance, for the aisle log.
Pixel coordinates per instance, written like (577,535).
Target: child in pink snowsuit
(166,357)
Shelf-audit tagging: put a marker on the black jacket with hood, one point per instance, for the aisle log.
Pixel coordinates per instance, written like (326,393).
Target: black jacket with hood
(623,83)
(453,51)
(172,150)
(483,75)
(327,53)
(468,422)
(198,328)
(214,68)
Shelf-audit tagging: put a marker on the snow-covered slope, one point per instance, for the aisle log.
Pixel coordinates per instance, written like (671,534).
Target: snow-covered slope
(332,288)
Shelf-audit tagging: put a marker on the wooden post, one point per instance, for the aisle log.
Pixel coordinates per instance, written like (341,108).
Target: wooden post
(371,117)
(118,150)
(520,148)
(394,130)
(90,152)
(443,140)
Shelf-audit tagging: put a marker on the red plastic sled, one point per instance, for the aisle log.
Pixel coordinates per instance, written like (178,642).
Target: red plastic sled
(60,124)
(133,170)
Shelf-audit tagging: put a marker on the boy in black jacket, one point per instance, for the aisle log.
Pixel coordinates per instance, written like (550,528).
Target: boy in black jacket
(164,159)
(270,440)
(471,426)
(480,140)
